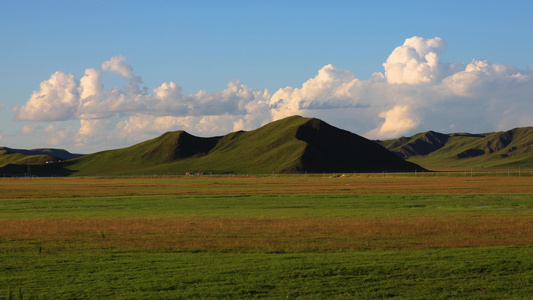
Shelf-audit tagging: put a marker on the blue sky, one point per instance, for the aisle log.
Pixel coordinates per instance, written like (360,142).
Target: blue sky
(380,69)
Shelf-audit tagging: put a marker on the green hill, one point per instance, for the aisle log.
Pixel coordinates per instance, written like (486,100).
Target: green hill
(33,157)
(496,150)
(7,157)
(55,154)
(290,145)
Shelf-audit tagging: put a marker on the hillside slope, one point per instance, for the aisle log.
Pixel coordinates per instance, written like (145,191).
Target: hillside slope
(34,156)
(290,145)
(496,150)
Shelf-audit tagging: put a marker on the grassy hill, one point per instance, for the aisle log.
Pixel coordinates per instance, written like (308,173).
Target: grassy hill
(9,156)
(290,145)
(496,150)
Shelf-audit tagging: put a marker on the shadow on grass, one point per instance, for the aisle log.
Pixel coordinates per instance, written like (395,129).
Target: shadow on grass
(45,170)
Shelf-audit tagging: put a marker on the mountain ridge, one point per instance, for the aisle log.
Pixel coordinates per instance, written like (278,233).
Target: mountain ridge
(12,156)
(290,145)
(497,150)
(55,153)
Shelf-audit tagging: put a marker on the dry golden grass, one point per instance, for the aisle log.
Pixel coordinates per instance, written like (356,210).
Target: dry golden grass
(268,235)
(271,234)
(82,187)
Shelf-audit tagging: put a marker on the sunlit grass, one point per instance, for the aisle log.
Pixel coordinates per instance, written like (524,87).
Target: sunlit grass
(266,237)
(21,188)
(473,273)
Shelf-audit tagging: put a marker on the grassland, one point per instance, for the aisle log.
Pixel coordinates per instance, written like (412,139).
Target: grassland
(267,237)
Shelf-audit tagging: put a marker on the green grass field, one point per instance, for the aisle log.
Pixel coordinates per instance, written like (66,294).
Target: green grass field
(286,237)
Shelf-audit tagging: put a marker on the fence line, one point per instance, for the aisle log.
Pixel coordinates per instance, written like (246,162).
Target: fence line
(384,174)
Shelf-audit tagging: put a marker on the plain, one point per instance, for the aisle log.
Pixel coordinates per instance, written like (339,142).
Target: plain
(351,236)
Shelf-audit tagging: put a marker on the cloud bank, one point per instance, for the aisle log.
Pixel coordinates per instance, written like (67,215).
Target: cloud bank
(416,92)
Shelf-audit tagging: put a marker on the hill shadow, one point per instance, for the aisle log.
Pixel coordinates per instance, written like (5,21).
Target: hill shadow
(45,170)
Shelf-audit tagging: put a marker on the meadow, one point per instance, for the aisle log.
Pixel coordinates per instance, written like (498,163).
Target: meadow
(301,236)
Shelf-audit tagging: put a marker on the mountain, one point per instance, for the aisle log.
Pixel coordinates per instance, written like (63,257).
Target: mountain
(34,156)
(290,145)
(58,154)
(17,161)
(495,150)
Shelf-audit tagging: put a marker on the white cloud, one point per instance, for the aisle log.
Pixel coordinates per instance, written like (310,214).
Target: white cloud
(416,92)
(480,76)
(29,129)
(331,88)
(416,61)
(142,124)
(55,134)
(397,121)
(57,100)
(90,90)
(146,126)
(95,132)
(90,84)
(116,65)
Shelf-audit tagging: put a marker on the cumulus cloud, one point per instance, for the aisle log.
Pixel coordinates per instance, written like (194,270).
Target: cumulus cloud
(57,100)
(416,61)
(116,65)
(332,87)
(55,134)
(90,84)
(148,125)
(29,129)
(397,121)
(481,76)
(415,92)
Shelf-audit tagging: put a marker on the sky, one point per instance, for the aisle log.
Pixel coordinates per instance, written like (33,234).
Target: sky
(88,76)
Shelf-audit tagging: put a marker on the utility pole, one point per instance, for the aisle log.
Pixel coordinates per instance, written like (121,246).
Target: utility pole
(28,170)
